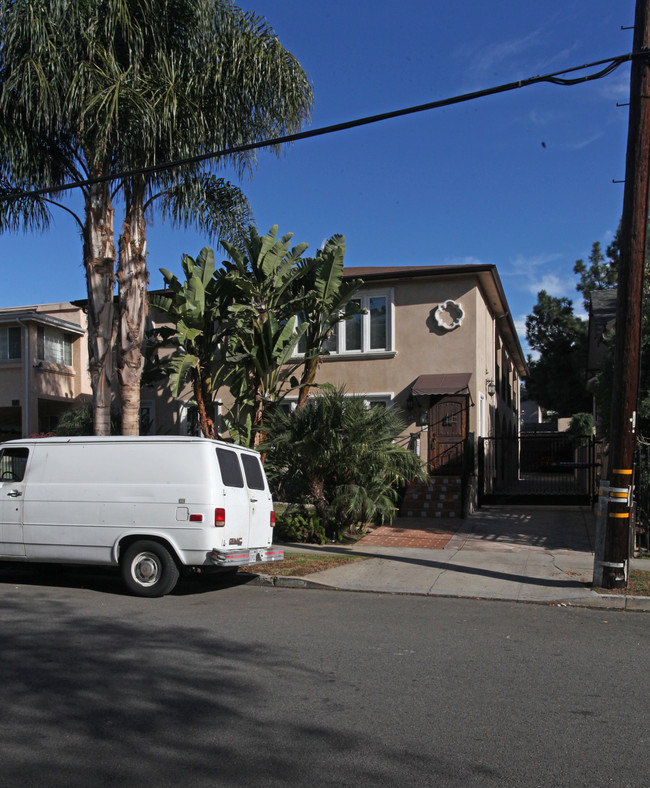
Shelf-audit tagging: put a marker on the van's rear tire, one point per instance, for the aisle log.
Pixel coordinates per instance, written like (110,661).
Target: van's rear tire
(148,569)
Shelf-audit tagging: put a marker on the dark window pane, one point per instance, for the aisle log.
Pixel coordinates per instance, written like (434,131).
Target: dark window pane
(330,343)
(12,464)
(353,330)
(9,342)
(378,323)
(230,469)
(253,471)
(14,342)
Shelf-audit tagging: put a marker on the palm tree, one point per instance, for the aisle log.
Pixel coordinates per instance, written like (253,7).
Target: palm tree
(197,312)
(92,88)
(341,456)
(52,66)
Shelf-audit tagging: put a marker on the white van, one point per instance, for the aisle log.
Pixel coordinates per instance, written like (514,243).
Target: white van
(150,505)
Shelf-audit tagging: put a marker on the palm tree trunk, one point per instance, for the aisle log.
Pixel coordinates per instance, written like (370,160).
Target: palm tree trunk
(99,262)
(132,279)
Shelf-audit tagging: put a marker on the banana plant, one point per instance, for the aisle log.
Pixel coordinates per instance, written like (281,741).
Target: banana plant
(194,309)
(261,285)
(327,301)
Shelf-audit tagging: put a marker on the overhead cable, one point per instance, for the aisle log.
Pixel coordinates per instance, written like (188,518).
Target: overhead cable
(554,78)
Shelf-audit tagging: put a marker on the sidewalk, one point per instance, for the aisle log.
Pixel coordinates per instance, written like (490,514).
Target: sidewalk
(519,553)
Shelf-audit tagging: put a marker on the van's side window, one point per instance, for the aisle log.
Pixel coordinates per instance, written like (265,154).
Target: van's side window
(230,468)
(253,471)
(12,464)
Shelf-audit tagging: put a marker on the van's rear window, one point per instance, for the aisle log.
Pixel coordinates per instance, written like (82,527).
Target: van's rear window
(12,464)
(230,469)
(253,471)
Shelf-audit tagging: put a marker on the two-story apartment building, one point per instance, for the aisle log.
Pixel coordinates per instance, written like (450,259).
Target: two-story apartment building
(43,366)
(437,341)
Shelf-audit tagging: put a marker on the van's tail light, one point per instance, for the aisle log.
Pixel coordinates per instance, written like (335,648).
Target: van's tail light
(219,518)
(272,519)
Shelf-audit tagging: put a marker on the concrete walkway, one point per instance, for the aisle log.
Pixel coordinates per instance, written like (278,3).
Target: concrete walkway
(524,554)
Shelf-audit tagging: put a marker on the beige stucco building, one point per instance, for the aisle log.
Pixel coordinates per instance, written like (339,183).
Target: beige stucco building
(438,341)
(43,366)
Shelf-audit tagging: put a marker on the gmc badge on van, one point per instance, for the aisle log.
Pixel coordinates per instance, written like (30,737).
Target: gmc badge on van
(237,540)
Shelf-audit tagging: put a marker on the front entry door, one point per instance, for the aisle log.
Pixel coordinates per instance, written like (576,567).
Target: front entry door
(447,434)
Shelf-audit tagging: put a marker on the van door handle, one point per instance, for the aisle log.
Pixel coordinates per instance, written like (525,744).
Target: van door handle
(254,500)
(14,494)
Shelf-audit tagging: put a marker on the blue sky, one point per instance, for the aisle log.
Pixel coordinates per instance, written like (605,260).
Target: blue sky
(522,180)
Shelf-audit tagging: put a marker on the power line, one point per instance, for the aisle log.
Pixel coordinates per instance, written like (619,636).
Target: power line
(554,78)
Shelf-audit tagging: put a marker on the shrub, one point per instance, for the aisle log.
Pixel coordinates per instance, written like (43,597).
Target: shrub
(299,525)
(342,457)
(79,421)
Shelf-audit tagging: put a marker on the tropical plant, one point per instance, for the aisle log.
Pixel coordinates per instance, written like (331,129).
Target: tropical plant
(327,301)
(193,309)
(263,300)
(90,90)
(298,524)
(340,456)
(79,421)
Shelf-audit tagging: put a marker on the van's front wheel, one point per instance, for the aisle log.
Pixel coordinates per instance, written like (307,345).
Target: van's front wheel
(148,569)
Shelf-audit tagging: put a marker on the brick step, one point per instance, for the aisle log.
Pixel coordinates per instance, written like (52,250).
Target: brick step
(433,496)
(440,497)
(430,514)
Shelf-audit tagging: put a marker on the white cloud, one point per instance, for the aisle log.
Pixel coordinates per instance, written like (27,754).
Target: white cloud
(559,287)
(617,87)
(573,146)
(492,56)
(524,265)
(468,260)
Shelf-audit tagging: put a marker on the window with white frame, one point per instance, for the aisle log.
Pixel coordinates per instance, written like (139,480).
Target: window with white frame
(377,400)
(53,346)
(9,342)
(371,332)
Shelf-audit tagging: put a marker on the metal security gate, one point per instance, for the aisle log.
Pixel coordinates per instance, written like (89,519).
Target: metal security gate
(546,468)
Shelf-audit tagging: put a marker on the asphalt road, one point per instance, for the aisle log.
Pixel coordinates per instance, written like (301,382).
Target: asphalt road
(227,684)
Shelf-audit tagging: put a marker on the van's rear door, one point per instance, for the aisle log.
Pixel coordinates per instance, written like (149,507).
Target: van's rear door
(236,500)
(261,504)
(13,462)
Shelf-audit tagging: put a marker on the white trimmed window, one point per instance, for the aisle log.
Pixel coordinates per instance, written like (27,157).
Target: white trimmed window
(369,333)
(54,346)
(9,342)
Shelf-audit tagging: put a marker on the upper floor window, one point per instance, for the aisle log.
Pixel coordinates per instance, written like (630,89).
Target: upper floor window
(9,342)
(54,346)
(371,332)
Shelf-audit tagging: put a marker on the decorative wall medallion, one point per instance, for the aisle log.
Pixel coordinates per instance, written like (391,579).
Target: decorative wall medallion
(449,315)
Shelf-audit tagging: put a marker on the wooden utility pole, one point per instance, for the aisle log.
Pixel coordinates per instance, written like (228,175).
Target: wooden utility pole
(629,310)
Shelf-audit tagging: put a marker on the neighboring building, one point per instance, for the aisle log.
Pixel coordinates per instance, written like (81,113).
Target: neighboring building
(43,366)
(438,341)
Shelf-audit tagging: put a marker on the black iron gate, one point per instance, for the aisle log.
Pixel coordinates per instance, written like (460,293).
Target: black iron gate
(544,468)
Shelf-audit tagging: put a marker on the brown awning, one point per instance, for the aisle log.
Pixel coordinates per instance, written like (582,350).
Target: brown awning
(452,383)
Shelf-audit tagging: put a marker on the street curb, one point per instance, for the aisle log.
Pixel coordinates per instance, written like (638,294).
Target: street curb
(598,601)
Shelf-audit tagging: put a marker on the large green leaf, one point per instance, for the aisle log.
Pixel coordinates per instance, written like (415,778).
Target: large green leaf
(181,367)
